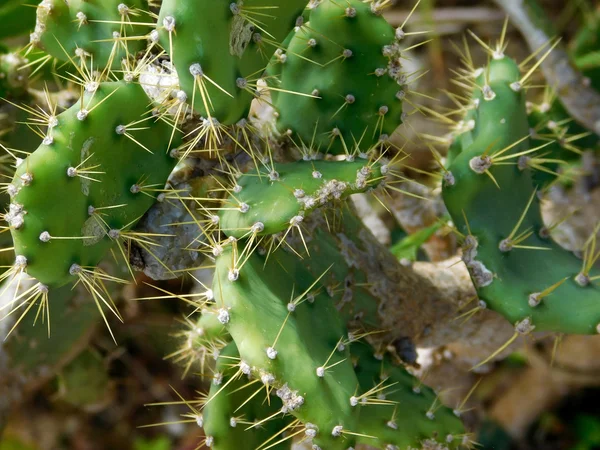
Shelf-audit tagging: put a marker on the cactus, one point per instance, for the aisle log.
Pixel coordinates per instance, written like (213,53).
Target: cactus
(93,164)
(220,49)
(273,114)
(98,33)
(278,198)
(308,362)
(490,192)
(289,347)
(344,114)
(105,160)
(230,419)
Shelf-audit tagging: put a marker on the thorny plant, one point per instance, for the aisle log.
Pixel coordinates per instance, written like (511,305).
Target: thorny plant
(288,108)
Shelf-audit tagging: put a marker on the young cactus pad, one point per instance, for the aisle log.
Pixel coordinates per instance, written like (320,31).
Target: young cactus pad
(231,410)
(401,414)
(91,179)
(269,307)
(220,49)
(340,113)
(100,31)
(275,200)
(517,269)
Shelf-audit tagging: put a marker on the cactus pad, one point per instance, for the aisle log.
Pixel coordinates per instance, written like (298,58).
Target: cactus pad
(229,413)
(517,268)
(220,48)
(98,31)
(91,179)
(275,200)
(285,323)
(335,112)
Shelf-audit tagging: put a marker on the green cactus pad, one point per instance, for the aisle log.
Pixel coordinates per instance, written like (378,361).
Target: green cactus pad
(72,323)
(228,415)
(85,382)
(283,317)
(56,213)
(98,31)
(284,346)
(275,200)
(220,48)
(413,415)
(533,288)
(335,112)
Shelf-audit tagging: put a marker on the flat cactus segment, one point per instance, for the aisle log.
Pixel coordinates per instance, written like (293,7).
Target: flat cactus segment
(220,48)
(85,383)
(72,323)
(229,411)
(401,413)
(98,31)
(335,112)
(517,269)
(284,321)
(92,178)
(288,333)
(278,199)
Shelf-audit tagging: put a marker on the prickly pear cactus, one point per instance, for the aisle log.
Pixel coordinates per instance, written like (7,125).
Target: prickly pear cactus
(94,33)
(492,196)
(94,168)
(274,114)
(289,347)
(277,199)
(333,383)
(342,114)
(220,49)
